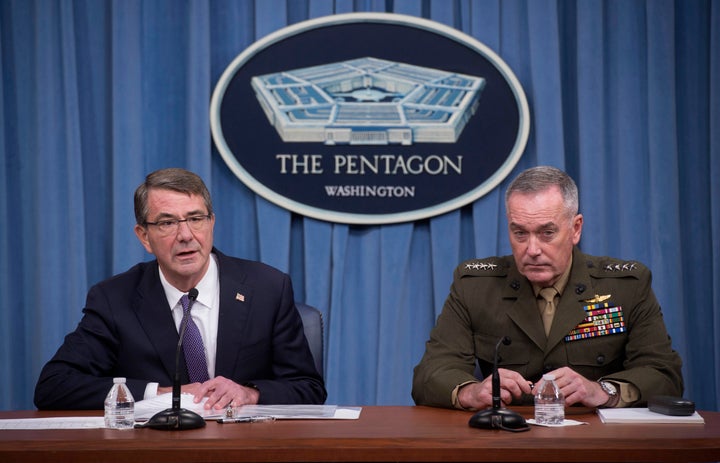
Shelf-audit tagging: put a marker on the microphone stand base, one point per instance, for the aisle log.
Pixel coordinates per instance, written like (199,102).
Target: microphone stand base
(174,419)
(499,418)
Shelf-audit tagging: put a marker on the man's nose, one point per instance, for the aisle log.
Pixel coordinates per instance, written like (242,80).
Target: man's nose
(184,231)
(533,247)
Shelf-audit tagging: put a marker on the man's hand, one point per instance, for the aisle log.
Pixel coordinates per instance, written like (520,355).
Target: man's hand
(477,396)
(578,389)
(220,393)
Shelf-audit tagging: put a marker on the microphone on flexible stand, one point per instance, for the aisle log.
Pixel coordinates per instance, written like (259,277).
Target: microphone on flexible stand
(176,417)
(497,417)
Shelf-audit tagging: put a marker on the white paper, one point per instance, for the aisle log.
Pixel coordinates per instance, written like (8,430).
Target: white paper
(70,422)
(564,423)
(644,415)
(286,411)
(347,413)
(300,412)
(145,409)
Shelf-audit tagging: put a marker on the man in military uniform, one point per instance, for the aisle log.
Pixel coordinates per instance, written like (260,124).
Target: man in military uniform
(594,322)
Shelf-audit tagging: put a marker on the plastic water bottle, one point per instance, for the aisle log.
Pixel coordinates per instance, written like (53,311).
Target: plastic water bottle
(119,406)
(549,402)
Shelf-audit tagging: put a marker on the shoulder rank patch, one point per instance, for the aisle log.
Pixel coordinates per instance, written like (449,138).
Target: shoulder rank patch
(480,265)
(483,267)
(621,266)
(607,267)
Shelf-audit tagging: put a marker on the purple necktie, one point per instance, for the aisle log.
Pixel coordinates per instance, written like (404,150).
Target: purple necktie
(193,347)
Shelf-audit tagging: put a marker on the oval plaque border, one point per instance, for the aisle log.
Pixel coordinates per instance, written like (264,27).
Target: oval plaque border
(356,218)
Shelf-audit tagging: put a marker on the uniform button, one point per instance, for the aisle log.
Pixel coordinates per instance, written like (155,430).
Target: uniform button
(600,359)
(548,368)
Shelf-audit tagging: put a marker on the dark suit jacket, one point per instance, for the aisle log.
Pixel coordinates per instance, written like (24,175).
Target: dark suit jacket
(490,299)
(128,330)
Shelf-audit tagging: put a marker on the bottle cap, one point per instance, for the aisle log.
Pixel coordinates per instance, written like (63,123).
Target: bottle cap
(118,380)
(549,377)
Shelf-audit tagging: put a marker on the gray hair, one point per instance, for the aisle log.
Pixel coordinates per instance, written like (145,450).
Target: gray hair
(540,178)
(175,179)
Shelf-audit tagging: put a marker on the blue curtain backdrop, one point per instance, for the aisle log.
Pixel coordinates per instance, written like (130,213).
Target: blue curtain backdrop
(624,95)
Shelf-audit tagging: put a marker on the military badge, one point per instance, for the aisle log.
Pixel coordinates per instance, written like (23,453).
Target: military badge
(601,319)
(597,299)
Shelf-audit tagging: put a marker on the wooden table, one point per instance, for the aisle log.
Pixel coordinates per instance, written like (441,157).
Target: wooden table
(383,433)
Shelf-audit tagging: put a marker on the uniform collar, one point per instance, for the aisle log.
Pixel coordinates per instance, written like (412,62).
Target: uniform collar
(559,285)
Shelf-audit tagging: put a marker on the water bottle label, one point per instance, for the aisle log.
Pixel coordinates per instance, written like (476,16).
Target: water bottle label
(549,413)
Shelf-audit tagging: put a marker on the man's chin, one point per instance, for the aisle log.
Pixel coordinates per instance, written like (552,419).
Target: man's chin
(538,276)
(186,266)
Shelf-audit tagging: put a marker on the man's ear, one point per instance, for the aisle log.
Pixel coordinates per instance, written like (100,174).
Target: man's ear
(142,234)
(577,228)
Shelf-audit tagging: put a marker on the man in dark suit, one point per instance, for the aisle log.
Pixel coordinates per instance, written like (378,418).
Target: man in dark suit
(255,350)
(603,336)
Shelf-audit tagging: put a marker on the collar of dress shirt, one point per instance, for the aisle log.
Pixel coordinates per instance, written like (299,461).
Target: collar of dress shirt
(207,287)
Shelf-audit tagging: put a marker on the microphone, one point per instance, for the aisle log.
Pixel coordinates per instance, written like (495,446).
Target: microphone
(176,417)
(497,417)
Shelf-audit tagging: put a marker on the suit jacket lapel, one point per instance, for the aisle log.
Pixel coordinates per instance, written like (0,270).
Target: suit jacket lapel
(235,301)
(155,318)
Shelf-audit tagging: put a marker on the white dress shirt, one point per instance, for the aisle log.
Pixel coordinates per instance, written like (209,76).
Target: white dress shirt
(204,313)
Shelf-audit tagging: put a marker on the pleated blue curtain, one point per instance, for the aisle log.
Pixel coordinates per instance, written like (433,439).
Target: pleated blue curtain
(624,95)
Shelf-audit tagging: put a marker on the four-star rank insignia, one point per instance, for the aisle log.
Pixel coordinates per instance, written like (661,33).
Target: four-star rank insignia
(621,267)
(480,266)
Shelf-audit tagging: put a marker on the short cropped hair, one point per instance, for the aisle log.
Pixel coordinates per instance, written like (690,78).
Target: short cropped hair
(540,178)
(175,179)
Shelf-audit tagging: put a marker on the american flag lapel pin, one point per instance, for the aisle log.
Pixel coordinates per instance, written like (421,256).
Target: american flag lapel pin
(239,297)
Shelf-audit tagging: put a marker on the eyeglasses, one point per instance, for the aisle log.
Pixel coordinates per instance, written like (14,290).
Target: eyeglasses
(170,226)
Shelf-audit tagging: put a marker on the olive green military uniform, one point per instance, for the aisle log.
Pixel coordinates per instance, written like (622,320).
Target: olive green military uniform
(489,299)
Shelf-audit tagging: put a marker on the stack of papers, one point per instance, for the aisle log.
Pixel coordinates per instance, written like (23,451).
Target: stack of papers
(70,422)
(145,409)
(644,416)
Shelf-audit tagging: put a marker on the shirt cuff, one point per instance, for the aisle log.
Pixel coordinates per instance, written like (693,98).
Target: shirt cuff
(454,396)
(151,390)
(628,392)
